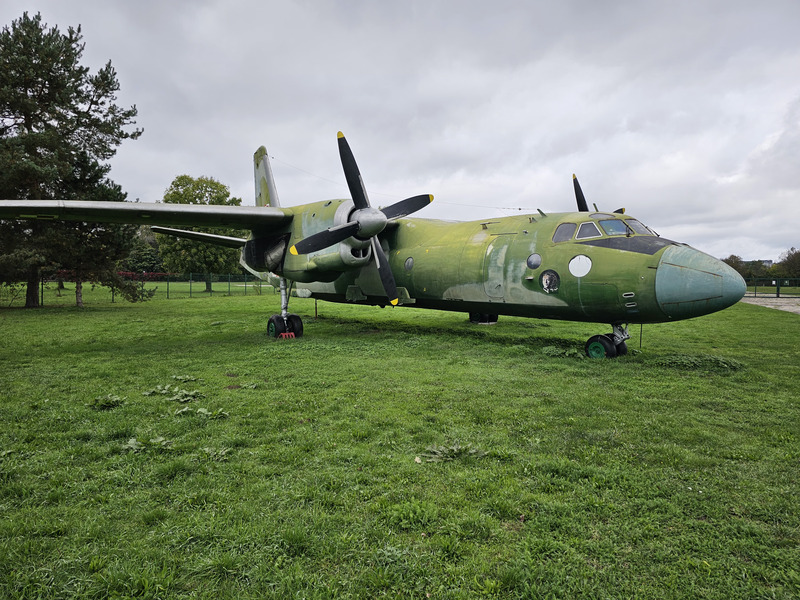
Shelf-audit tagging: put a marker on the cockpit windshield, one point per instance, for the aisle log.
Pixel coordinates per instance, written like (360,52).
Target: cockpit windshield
(638,227)
(610,227)
(615,227)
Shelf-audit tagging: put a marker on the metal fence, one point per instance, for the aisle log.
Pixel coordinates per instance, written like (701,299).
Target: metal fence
(199,285)
(773,287)
(58,290)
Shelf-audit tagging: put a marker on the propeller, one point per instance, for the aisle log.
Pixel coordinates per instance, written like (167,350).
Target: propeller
(365,222)
(582,207)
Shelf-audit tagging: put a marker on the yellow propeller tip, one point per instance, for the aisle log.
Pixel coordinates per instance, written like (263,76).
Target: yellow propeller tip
(293,251)
(573,176)
(394,302)
(340,135)
(430,197)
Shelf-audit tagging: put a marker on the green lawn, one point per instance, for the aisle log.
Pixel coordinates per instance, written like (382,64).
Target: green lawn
(170,450)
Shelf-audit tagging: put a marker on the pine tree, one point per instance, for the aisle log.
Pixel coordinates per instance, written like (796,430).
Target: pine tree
(59,125)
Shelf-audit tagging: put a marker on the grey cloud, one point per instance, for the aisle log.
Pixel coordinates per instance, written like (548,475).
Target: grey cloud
(685,112)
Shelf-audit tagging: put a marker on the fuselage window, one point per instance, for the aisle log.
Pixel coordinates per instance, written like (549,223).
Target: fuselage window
(534,261)
(587,230)
(615,227)
(564,232)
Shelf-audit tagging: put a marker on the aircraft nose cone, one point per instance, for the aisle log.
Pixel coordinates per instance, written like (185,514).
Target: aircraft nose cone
(690,283)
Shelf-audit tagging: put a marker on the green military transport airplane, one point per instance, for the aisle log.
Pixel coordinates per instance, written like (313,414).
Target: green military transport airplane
(600,267)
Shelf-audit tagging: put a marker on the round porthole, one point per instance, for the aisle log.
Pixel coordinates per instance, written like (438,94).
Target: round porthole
(409,264)
(534,261)
(580,265)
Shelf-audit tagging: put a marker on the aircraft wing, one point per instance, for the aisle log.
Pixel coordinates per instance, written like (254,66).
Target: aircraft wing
(136,213)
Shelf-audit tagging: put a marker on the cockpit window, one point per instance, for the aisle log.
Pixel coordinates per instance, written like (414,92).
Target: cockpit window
(587,230)
(607,227)
(638,227)
(564,232)
(615,227)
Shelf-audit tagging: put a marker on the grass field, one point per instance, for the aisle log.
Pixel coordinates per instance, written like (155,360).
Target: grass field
(170,450)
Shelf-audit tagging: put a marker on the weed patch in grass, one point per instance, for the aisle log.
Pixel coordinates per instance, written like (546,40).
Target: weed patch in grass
(700,362)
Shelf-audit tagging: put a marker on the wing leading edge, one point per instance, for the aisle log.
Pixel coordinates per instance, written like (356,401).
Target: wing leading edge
(135,213)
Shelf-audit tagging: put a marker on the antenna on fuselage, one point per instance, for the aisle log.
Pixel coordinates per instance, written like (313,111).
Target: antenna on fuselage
(579,197)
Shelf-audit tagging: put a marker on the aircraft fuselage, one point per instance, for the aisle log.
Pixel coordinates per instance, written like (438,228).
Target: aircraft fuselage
(583,266)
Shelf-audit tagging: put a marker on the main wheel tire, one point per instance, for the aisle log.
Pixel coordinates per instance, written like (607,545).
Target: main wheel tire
(600,346)
(296,325)
(276,326)
(482,318)
(622,349)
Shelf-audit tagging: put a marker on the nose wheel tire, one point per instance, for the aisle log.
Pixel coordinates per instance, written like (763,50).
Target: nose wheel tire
(602,346)
(295,325)
(277,325)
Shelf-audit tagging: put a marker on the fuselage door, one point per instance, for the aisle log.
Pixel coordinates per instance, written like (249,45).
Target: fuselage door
(494,265)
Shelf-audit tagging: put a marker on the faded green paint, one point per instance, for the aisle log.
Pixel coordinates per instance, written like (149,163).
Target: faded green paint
(481,266)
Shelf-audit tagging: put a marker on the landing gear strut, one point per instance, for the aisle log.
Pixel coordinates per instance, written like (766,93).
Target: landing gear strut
(609,345)
(285,324)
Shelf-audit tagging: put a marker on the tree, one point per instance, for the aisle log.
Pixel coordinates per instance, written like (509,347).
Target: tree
(736,263)
(144,256)
(98,250)
(790,263)
(181,255)
(58,126)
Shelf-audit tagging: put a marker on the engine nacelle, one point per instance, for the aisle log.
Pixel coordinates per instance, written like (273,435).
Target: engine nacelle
(329,263)
(265,254)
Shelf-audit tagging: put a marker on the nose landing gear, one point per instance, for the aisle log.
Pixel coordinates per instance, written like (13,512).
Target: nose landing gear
(285,324)
(609,345)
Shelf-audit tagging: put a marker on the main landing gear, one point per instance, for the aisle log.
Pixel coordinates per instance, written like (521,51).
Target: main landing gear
(285,325)
(482,318)
(610,345)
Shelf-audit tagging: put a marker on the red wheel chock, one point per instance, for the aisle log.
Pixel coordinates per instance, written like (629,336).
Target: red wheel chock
(287,334)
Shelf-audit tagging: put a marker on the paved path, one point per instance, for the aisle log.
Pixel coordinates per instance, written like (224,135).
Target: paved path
(790,304)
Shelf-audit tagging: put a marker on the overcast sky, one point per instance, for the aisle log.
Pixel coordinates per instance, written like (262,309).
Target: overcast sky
(686,113)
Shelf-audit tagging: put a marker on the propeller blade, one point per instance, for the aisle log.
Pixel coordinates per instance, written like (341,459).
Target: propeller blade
(351,173)
(326,238)
(407,206)
(582,207)
(387,278)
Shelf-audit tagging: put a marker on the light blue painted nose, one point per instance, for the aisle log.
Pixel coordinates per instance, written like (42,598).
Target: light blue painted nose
(690,283)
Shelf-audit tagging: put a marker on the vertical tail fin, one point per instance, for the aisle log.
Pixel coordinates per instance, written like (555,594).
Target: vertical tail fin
(266,193)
